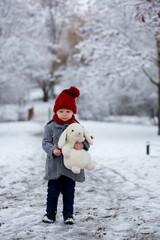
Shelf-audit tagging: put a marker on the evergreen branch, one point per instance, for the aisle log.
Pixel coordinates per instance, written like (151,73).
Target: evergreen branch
(150,78)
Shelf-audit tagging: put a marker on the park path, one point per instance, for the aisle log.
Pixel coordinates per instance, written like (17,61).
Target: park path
(108,205)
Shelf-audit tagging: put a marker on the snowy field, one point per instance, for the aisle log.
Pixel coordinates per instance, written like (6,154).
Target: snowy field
(120,199)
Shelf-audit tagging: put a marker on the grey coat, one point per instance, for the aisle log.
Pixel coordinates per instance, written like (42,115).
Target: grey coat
(54,165)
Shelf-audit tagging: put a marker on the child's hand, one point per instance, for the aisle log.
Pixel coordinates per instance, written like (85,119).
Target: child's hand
(78,146)
(57,152)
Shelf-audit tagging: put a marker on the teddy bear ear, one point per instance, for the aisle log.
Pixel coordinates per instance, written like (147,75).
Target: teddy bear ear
(87,137)
(62,139)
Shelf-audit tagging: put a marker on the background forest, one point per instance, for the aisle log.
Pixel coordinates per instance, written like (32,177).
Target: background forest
(107,48)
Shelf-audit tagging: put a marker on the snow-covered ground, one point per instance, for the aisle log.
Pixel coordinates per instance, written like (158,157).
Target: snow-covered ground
(120,199)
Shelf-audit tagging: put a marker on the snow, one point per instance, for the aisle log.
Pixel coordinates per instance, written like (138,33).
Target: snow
(119,199)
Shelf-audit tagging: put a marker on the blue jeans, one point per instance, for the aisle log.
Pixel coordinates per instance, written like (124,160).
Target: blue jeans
(63,185)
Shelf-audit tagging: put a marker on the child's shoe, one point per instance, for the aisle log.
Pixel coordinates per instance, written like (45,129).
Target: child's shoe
(49,218)
(68,219)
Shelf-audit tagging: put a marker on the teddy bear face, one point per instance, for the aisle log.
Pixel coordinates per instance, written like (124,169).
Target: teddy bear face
(72,134)
(75,133)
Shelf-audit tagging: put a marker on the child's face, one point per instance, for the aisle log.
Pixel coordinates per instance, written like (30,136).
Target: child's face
(64,114)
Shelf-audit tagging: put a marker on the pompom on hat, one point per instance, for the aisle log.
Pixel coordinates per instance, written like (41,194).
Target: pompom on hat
(66,99)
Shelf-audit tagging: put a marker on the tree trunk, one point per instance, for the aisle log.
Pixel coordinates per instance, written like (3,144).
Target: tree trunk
(45,95)
(158,51)
(157,83)
(159,110)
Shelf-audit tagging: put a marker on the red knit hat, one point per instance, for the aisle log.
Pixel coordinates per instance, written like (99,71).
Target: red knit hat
(66,99)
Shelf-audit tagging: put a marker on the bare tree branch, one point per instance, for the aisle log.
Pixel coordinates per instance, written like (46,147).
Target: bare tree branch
(150,78)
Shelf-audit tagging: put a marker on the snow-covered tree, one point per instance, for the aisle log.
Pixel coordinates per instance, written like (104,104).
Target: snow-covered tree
(108,68)
(57,23)
(25,55)
(149,15)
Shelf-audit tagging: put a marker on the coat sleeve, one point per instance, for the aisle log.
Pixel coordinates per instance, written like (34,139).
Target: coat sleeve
(47,142)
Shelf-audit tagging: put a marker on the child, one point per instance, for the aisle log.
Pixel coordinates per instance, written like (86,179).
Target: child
(60,179)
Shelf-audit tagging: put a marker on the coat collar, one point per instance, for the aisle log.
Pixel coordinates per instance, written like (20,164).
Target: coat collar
(61,126)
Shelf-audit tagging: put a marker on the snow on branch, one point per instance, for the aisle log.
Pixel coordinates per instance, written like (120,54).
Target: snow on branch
(133,4)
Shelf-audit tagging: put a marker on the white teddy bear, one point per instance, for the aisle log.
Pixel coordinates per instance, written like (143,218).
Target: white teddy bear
(75,159)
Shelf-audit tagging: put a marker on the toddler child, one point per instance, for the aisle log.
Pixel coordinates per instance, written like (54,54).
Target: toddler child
(60,179)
